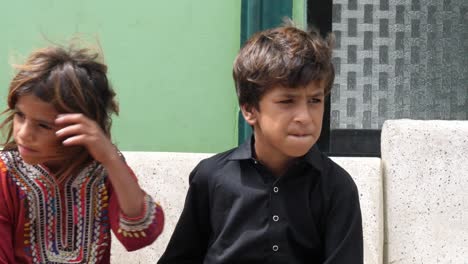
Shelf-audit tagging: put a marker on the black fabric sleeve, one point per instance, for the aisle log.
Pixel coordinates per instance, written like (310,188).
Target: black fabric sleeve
(343,231)
(189,241)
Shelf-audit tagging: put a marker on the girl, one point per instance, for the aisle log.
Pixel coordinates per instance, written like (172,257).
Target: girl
(63,184)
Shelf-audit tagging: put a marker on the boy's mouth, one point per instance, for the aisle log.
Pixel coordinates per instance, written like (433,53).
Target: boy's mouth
(300,135)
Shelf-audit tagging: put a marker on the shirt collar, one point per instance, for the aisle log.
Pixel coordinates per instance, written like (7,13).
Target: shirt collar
(244,152)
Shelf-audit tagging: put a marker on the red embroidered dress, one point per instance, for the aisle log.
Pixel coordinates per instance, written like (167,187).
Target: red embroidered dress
(42,221)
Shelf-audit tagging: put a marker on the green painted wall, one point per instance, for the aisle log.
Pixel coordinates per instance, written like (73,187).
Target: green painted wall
(169,61)
(299,12)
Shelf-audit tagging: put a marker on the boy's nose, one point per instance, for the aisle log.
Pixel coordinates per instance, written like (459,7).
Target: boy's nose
(303,114)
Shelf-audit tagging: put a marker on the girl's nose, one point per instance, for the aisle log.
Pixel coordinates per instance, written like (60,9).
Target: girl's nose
(25,131)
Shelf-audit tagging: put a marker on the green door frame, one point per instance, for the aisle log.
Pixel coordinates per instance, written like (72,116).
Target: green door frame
(257,15)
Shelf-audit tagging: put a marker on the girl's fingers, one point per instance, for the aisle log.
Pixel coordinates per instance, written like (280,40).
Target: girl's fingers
(64,119)
(75,140)
(71,130)
(77,129)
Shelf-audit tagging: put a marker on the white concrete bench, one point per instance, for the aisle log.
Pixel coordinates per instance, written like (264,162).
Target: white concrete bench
(425,165)
(165,176)
(419,190)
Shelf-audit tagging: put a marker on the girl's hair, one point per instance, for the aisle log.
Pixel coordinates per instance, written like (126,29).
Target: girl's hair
(72,80)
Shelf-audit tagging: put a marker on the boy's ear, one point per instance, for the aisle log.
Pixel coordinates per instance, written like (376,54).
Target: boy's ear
(249,113)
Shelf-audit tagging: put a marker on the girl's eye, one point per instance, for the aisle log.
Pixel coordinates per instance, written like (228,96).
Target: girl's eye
(45,126)
(315,100)
(18,114)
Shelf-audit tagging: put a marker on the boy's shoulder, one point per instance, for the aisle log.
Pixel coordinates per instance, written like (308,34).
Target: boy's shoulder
(331,173)
(220,164)
(336,179)
(217,161)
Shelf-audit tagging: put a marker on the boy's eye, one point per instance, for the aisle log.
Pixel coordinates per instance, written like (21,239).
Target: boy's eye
(287,101)
(315,100)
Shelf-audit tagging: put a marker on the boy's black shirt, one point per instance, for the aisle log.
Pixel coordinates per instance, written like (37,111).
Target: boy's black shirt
(236,211)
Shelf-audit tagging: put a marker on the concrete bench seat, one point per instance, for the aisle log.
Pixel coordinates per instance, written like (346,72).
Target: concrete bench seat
(164,175)
(425,165)
(414,200)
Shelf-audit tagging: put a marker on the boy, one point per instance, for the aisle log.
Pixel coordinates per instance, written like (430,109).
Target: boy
(276,198)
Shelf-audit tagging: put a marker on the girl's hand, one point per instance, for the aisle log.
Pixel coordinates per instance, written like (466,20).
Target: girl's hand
(79,130)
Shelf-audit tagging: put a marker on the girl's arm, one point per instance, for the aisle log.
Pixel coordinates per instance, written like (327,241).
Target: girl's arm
(135,231)
(131,197)
(136,210)
(6,221)
(78,130)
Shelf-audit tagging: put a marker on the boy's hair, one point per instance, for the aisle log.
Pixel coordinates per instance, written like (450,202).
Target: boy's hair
(71,80)
(285,56)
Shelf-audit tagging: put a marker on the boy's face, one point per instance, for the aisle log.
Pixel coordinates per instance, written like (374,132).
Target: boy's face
(288,121)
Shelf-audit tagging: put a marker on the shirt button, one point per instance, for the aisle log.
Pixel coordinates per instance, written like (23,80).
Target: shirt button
(275,248)
(275,218)
(275,189)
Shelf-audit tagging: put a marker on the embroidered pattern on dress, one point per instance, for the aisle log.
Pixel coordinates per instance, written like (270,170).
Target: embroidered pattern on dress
(135,227)
(67,223)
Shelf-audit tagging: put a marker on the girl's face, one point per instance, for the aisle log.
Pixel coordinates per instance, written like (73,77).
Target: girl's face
(34,132)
